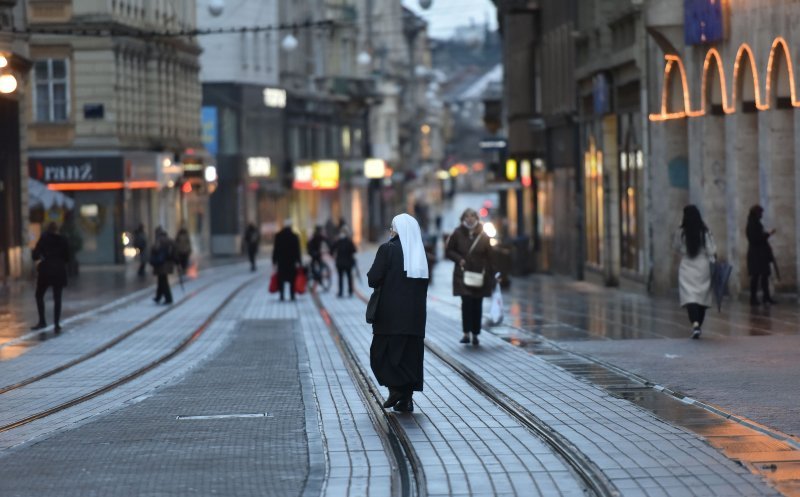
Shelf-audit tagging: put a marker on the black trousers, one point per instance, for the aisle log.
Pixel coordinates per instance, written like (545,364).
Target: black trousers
(471,314)
(251,254)
(345,271)
(763,280)
(697,313)
(142,263)
(41,288)
(284,278)
(163,290)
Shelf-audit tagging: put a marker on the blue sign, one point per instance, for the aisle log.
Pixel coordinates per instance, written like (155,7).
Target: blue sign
(703,21)
(601,94)
(209,120)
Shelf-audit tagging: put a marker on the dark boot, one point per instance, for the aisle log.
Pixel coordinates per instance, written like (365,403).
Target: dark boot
(394,396)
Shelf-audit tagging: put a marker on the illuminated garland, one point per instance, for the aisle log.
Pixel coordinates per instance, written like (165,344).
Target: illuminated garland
(140,33)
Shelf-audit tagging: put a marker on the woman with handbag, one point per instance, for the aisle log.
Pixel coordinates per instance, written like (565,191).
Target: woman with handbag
(698,251)
(397,311)
(470,249)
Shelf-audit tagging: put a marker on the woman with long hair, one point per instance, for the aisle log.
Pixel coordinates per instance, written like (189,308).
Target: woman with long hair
(698,251)
(759,256)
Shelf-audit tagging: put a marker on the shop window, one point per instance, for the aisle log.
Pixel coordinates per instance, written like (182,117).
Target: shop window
(593,169)
(631,165)
(51,90)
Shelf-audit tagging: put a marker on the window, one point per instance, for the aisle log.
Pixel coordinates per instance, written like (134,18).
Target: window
(593,167)
(51,91)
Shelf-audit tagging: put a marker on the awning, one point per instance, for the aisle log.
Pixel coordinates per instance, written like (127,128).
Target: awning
(40,195)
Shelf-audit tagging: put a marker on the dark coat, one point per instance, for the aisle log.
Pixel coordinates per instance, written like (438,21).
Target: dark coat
(315,245)
(286,252)
(759,252)
(52,252)
(344,250)
(478,260)
(251,239)
(162,256)
(402,306)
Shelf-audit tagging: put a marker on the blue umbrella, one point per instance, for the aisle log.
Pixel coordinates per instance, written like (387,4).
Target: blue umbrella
(720,273)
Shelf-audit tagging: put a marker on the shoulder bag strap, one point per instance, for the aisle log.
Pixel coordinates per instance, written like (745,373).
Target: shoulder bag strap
(474,244)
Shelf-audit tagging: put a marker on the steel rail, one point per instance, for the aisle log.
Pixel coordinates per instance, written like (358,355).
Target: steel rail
(194,335)
(409,478)
(591,475)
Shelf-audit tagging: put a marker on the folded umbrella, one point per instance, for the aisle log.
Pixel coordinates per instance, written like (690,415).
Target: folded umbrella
(720,274)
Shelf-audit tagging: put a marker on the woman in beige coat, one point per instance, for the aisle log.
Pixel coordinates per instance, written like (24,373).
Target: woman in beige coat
(470,249)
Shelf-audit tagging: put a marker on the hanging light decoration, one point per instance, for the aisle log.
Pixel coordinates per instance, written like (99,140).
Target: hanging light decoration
(289,43)
(8,83)
(215,7)
(364,58)
(425,4)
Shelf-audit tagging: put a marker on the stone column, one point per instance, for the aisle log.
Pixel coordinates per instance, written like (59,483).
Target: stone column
(707,174)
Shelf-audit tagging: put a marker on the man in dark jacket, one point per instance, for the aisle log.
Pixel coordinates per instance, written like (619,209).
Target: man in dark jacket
(286,256)
(162,258)
(52,254)
(251,240)
(344,251)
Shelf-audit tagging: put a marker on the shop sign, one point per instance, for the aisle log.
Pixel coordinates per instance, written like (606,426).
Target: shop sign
(259,167)
(209,121)
(76,169)
(275,98)
(321,175)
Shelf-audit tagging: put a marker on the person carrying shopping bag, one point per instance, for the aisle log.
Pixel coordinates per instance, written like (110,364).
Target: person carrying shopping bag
(470,249)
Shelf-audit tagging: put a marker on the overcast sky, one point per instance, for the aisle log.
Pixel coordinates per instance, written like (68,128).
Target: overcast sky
(445,15)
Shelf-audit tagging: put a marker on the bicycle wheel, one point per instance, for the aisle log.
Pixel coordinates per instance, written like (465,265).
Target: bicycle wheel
(325,277)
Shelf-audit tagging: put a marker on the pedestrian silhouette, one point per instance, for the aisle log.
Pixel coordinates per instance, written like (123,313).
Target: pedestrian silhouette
(252,238)
(698,251)
(470,249)
(52,255)
(399,273)
(162,258)
(183,249)
(343,252)
(759,256)
(286,257)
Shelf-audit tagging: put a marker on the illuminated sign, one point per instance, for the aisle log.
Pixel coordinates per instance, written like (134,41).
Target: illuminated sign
(374,168)
(525,172)
(259,167)
(511,169)
(275,98)
(322,175)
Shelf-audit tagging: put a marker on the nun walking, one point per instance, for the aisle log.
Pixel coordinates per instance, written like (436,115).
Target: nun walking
(698,251)
(400,274)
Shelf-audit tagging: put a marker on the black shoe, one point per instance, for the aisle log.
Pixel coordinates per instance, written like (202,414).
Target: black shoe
(475,340)
(42,336)
(696,333)
(57,329)
(404,406)
(39,326)
(394,397)
(464,340)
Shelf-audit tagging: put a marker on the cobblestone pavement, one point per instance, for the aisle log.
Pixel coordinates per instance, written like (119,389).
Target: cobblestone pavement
(250,354)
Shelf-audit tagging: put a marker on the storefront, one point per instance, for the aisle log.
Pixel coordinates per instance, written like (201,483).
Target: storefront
(109,194)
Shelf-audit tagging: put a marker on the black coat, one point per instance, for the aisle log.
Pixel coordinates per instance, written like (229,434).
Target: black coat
(52,252)
(759,252)
(402,306)
(251,239)
(286,253)
(344,250)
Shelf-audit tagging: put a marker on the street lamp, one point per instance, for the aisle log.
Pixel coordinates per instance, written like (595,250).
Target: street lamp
(215,7)
(364,58)
(289,43)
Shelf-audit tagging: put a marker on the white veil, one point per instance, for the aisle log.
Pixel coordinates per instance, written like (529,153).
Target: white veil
(415,263)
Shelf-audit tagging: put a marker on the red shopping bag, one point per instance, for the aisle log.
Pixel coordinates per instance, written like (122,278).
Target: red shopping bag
(273,283)
(300,281)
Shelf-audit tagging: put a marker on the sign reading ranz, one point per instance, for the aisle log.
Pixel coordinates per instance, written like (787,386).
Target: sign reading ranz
(76,169)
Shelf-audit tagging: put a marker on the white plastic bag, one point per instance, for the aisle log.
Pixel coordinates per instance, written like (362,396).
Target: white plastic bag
(496,311)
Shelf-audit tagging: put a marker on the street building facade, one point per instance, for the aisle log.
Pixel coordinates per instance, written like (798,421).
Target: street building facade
(14,67)
(724,126)
(113,121)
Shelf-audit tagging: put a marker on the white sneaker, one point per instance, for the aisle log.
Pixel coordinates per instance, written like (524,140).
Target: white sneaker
(696,333)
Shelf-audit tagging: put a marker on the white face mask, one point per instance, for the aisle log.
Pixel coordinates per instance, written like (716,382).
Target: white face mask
(470,224)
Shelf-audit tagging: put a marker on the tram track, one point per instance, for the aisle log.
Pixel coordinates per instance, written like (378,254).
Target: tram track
(592,476)
(180,347)
(408,477)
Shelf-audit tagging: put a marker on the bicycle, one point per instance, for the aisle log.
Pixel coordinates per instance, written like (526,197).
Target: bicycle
(320,273)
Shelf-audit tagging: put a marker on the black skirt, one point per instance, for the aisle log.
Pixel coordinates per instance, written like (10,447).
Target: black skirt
(396,360)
